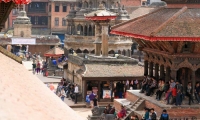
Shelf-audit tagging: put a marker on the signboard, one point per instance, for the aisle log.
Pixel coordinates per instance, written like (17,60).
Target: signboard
(23,41)
(106,94)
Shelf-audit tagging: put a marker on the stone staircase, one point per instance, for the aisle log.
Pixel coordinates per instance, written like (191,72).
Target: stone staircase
(132,107)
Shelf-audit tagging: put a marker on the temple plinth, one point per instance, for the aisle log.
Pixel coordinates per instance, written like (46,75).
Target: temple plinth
(101,18)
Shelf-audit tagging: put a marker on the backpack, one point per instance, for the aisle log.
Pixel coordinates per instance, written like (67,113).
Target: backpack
(87,99)
(164,117)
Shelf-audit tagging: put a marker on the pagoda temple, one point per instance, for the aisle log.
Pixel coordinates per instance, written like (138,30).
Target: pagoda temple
(169,37)
(81,32)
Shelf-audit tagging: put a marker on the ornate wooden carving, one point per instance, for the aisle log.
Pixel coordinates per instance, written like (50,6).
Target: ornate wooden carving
(163,46)
(169,47)
(186,64)
(196,47)
(179,48)
(5,9)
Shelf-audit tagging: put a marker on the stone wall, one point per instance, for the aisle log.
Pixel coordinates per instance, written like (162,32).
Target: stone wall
(22,30)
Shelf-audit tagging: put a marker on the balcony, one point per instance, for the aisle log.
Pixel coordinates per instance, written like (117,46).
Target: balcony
(37,11)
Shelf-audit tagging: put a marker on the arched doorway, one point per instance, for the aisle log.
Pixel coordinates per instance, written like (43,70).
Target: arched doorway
(111,52)
(184,75)
(85,51)
(78,51)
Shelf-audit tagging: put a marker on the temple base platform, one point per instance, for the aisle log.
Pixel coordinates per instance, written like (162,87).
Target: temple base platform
(136,101)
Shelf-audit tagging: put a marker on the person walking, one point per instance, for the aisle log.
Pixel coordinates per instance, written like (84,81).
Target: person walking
(91,96)
(38,67)
(76,93)
(33,67)
(189,93)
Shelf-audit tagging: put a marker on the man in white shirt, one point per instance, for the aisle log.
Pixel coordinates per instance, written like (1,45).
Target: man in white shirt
(76,93)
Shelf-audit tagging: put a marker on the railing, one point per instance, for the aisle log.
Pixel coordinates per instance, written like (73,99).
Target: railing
(37,10)
(9,54)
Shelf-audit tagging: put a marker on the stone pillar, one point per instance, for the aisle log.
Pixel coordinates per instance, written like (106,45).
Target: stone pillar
(173,74)
(167,75)
(156,71)
(193,80)
(146,67)
(162,72)
(151,69)
(104,37)
(97,39)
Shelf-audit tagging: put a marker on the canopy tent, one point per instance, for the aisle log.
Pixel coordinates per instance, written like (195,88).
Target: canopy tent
(54,52)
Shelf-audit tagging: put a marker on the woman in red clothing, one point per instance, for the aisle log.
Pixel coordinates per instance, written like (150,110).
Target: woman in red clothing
(174,94)
(122,112)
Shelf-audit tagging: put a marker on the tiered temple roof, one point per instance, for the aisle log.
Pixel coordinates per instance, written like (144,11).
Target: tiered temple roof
(174,24)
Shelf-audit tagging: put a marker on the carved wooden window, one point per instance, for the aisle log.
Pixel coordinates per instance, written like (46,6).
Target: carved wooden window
(186,47)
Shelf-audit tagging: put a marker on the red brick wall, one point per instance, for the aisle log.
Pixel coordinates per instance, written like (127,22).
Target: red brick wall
(131,3)
(156,108)
(117,105)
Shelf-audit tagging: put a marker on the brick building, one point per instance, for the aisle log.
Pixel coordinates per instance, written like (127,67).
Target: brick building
(58,10)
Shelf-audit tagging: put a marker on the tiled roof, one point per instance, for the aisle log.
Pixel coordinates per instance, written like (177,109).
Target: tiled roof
(113,70)
(24,97)
(162,23)
(55,51)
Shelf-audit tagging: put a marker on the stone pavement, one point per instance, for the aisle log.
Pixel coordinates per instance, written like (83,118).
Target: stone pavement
(78,108)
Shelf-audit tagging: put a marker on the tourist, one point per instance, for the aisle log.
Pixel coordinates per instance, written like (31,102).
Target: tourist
(62,94)
(143,84)
(189,93)
(146,115)
(174,94)
(122,112)
(95,101)
(33,67)
(92,96)
(152,87)
(172,85)
(76,93)
(87,100)
(134,117)
(197,92)
(166,89)
(179,93)
(135,83)
(161,86)
(153,115)
(131,85)
(38,67)
(164,115)
(112,111)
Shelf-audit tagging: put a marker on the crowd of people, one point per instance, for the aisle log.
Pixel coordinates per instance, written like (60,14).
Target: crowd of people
(150,114)
(172,91)
(68,90)
(39,68)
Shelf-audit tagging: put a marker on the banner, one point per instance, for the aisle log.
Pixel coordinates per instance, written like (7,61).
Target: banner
(23,41)
(106,94)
